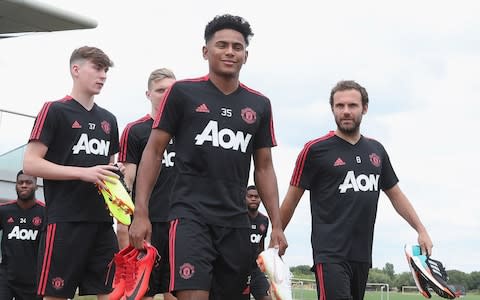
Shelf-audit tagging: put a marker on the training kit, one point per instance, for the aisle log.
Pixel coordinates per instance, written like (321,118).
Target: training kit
(277,272)
(118,200)
(428,272)
(132,272)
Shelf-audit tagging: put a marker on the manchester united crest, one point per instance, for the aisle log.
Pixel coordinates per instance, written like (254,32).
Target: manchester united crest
(58,283)
(249,115)
(106,127)
(375,160)
(262,228)
(37,221)
(186,271)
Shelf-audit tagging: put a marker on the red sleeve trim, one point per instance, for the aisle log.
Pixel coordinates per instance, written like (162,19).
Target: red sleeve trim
(161,107)
(272,130)
(42,115)
(41,203)
(35,135)
(122,156)
(300,163)
(252,90)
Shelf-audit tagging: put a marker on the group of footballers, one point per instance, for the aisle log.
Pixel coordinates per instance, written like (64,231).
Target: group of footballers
(196,213)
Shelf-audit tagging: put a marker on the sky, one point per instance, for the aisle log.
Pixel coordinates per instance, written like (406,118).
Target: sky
(419,60)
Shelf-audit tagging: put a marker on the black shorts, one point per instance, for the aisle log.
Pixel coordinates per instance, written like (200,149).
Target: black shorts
(259,286)
(344,280)
(10,289)
(160,277)
(210,258)
(76,255)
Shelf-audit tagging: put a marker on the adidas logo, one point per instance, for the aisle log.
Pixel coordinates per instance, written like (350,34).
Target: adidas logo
(338,162)
(76,125)
(10,220)
(202,108)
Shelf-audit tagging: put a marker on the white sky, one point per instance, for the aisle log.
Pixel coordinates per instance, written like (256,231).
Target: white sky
(419,61)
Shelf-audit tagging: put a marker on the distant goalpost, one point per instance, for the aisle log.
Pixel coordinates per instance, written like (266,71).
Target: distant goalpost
(383,287)
(409,289)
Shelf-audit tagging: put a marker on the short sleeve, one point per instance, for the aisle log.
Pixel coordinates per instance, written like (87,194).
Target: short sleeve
(45,124)
(265,136)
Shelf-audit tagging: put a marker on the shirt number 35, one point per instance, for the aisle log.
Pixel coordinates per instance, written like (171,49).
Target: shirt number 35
(226,112)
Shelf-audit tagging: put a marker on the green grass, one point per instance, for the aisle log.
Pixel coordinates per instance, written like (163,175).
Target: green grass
(308,294)
(305,294)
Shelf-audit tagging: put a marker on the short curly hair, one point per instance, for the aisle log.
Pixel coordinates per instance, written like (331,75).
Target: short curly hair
(228,21)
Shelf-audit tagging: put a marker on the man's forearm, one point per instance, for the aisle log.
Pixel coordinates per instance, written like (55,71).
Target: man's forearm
(147,174)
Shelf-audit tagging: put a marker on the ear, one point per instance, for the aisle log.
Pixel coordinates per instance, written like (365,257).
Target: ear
(246,56)
(365,109)
(147,94)
(205,52)
(74,69)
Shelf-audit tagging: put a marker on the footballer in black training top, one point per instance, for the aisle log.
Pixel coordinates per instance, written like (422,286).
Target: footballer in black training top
(134,138)
(21,222)
(89,139)
(259,286)
(345,179)
(213,164)
(215,137)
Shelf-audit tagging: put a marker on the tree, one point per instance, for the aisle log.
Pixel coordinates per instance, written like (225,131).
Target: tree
(474,283)
(301,271)
(458,277)
(404,279)
(378,276)
(389,270)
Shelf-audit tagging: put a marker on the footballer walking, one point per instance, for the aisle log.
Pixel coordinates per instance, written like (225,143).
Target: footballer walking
(218,125)
(72,144)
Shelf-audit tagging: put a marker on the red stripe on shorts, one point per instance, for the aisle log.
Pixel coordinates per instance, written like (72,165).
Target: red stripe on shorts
(46,258)
(320,282)
(171,248)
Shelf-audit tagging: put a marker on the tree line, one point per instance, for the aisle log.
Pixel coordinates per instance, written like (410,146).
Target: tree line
(469,281)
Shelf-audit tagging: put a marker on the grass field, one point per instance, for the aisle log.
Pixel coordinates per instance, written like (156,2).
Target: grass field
(304,294)
(299,294)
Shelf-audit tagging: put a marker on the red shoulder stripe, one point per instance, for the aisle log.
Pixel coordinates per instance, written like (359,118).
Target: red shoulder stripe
(162,104)
(37,128)
(251,90)
(65,99)
(272,130)
(161,107)
(35,135)
(300,163)
(8,202)
(122,156)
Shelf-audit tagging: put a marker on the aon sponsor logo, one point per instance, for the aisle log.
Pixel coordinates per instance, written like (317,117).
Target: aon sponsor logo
(167,160)
(255,238)
(224,138)
(23,234)
(362,182)
(91,146)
